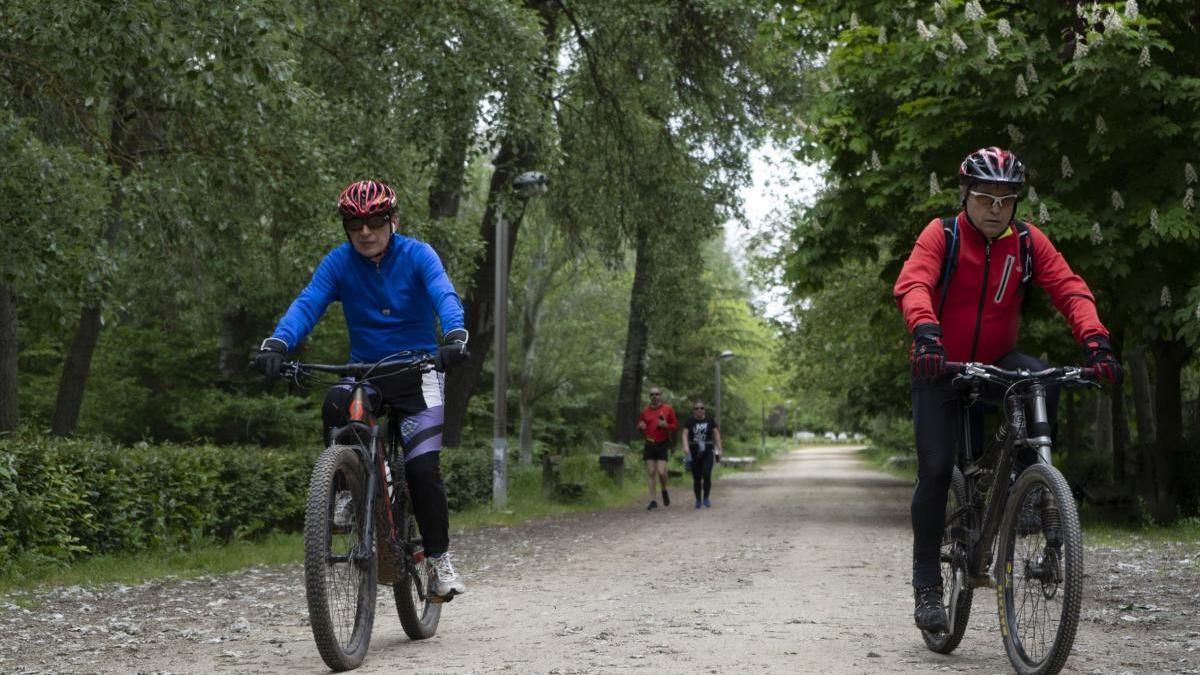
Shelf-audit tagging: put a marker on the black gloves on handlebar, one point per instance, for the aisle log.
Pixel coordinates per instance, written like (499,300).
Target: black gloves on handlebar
(269,359)
(453,350)
(928,356)
(1099,355)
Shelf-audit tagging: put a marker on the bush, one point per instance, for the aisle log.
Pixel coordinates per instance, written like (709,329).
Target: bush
(467,473)
(61,499)
(894,434)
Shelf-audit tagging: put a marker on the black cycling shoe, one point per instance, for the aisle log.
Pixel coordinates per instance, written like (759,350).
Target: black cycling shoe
(930,615)
(666,498)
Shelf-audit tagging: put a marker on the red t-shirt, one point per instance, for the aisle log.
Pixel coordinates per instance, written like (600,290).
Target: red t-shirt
(653,432)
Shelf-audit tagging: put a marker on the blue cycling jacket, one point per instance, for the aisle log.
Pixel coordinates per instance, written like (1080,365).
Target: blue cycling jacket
(389,306)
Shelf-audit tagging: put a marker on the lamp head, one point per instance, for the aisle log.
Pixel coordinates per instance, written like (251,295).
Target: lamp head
(531,183)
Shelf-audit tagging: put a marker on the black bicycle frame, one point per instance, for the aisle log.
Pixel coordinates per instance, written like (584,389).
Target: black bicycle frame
(990,508)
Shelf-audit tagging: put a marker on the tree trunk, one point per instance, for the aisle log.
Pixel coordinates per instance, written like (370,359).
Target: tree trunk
(1120,436)
(231,344)
(9,408)
(515,155)
(1103,429)
(479,305)
(1143,399)
(78,363)
(1169,359)
(637,337)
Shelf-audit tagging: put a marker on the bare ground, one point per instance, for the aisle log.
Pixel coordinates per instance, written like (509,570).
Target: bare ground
(802,567)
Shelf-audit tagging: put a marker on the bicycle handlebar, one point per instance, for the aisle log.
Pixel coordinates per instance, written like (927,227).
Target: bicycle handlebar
(1063,374)
(401,362)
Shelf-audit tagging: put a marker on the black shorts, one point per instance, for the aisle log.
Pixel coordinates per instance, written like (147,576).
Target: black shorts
(656,450)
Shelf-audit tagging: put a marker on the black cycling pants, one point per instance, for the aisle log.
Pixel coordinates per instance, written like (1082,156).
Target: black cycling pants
(940,424)
(415,403)
(702,468)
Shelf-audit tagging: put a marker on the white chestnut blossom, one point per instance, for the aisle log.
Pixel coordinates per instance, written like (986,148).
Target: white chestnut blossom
(853,21)
(1030,73)
(1165,298)
(1189,174)
(1004,27)
(974,11)
(1067,171)
(958,43)
(1112,21)
(941,56)
(1021,89)
(1081,49)
(934,186)
(1033,195)
(1189,199)
(875,163)
(816,225)
(1198,312)
(1131,9)
(992,50)
(938,12)
(1043,213)
(1117,202)
(1097,236)
(883,35)
(1101,127)
(1144,57)
(1015,134)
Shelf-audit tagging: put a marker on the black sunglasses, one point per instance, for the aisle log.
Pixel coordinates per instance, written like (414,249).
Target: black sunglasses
(374,222)
(698,407)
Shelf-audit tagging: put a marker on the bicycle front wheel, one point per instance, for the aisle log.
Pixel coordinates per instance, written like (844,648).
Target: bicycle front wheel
(1041,584)
(957,594)
(339,559)
(419,614)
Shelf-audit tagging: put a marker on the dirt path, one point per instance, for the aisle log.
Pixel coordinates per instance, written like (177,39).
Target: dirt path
(800,568)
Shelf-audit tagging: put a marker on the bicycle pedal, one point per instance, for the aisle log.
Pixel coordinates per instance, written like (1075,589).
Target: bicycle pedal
(441,599)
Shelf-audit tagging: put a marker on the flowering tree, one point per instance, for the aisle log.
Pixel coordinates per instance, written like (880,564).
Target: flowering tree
(1099,101)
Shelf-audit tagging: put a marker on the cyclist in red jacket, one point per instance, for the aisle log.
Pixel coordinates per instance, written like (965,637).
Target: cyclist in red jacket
(975,315)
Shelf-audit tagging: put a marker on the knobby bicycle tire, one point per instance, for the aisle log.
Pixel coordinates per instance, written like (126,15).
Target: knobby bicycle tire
(339,561)
(1041,582)
(419,615)
(954,562)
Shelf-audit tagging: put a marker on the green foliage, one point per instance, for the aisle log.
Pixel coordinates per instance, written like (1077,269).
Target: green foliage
(63,499)
(467,473)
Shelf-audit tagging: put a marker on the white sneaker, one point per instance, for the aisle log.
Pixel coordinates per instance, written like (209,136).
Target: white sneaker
(343,510)
(447,583)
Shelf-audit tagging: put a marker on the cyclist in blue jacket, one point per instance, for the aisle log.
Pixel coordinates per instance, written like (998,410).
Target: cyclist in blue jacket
(390,286)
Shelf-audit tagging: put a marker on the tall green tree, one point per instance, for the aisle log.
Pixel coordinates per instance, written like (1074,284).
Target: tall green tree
(1097,98)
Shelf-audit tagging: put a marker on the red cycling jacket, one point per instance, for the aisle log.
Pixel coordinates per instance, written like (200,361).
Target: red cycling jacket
(982,314)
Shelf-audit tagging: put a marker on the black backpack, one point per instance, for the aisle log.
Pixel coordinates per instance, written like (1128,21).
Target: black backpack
(950,260)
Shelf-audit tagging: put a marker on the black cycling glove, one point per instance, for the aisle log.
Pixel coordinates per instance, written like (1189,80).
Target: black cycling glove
(453,350)
(269,359)
(1099,355)
(928,356)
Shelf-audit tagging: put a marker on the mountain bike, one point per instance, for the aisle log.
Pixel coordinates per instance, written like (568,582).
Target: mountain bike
(358,528)
(1015,531)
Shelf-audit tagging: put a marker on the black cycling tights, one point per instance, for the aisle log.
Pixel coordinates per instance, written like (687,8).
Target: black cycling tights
(702,468)
(938,418)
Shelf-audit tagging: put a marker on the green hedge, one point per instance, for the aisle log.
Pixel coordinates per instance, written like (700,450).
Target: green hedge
(62,499)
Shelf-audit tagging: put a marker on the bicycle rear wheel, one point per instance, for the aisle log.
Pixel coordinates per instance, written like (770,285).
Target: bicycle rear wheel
(1041,583)
(419,614)
(339,560)
(957,594)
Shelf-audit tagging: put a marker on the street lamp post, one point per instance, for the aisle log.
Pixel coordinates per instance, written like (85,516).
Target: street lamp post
(525,186)
(723,356)
(766,391)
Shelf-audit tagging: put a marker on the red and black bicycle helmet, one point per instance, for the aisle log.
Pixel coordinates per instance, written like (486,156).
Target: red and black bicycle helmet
(992,165)
(367,198)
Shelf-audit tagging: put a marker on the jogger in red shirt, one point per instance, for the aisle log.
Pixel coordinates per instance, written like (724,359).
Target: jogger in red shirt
(656,423)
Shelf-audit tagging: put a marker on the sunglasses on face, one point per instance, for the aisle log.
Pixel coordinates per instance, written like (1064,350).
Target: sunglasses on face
(374,222)
(995,201)
(698,407)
